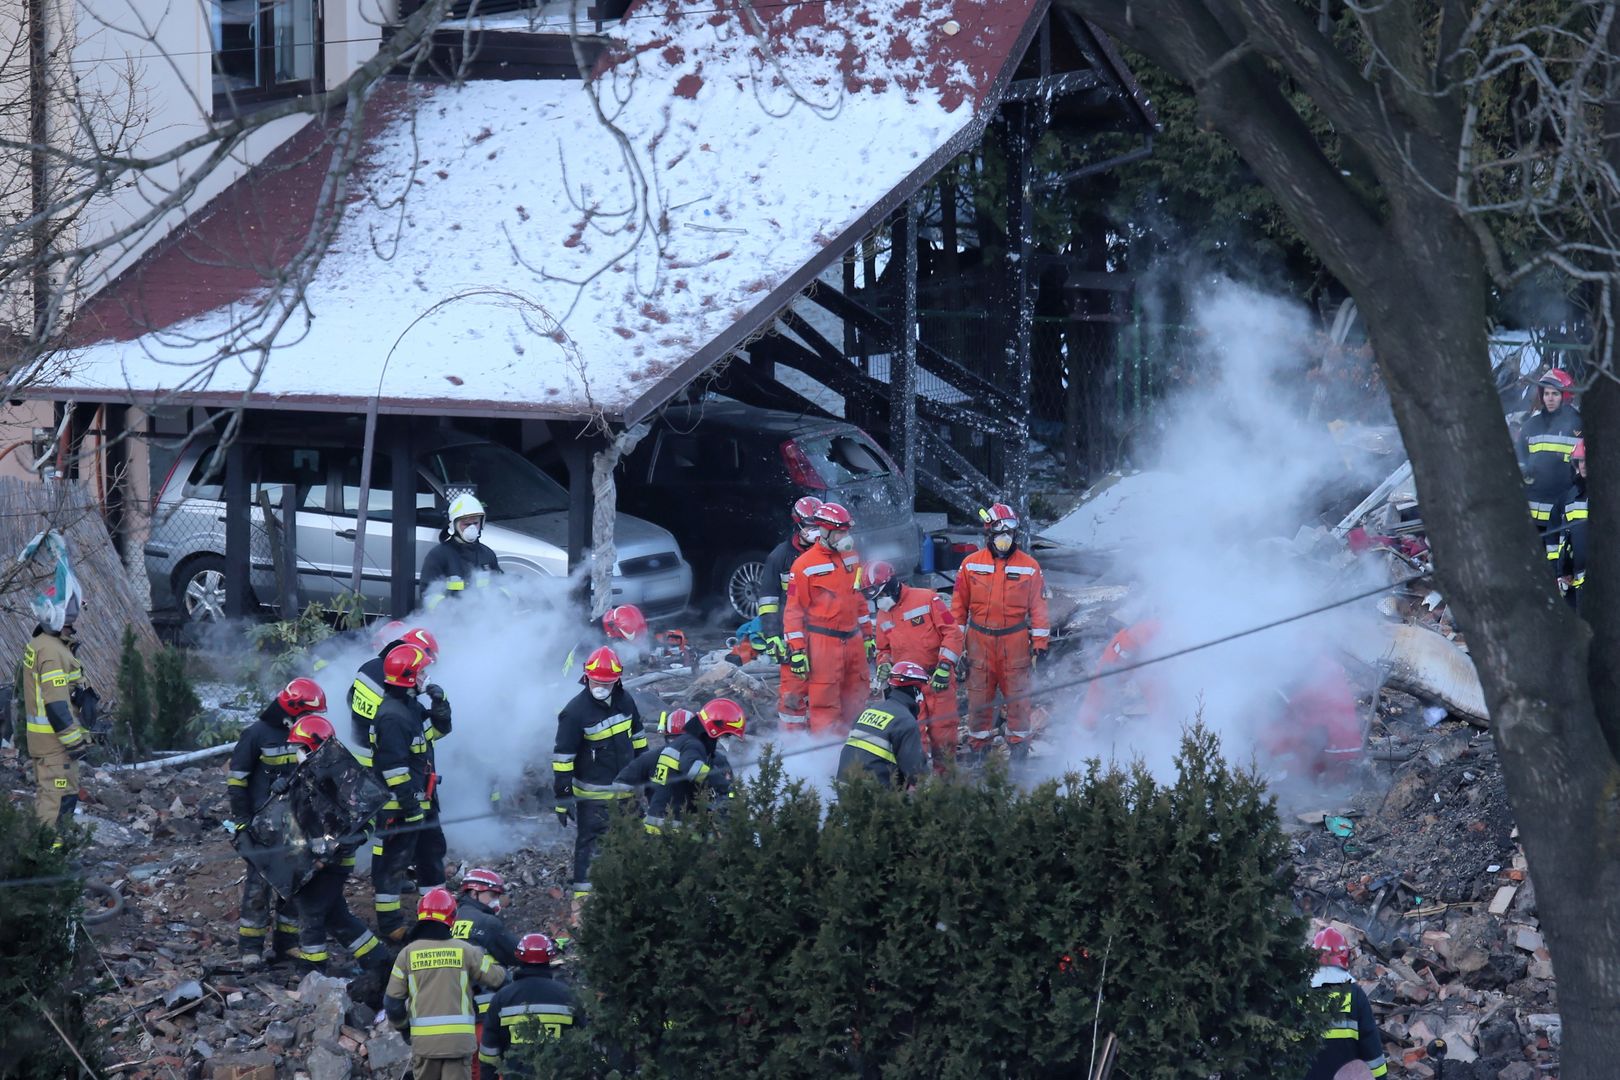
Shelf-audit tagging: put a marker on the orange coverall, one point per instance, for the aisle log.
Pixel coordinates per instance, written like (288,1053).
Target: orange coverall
(1107,696)
(1002,602)
(920,628)
(826,617)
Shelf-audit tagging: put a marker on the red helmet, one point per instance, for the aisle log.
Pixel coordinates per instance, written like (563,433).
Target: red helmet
(625,622)
(907,673)
(1557,379)
(424,640)
(383,633)
(603,666)
(804,510)
(302,696)
(673,722)
(999,518)
(311,731)
(1579,453)
(438,905)
(482,880)
(832,516)
(535,949)
(403,665)
(1331,948)
(879,580)
(722,716)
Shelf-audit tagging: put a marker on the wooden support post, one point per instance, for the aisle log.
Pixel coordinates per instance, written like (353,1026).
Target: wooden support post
(238,532)
(1021,296)
(402,554)
(903,359)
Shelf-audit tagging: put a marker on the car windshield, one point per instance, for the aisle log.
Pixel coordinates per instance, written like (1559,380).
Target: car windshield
(841,458)
(507,485)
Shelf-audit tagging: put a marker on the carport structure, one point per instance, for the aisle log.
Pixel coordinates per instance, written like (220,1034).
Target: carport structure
(524,249)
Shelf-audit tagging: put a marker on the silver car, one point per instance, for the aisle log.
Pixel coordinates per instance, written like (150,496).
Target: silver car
(526,525)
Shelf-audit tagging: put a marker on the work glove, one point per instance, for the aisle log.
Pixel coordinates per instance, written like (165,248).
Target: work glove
(883,670)
(776,649)
(871,648)
(799,664)
(941,678)
(565,813)
(79,750)
(282,783)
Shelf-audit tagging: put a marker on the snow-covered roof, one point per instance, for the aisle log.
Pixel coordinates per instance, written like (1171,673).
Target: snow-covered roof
(540,264)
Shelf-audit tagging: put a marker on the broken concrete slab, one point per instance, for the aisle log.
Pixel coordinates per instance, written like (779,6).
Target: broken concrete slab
(1527,939)
(1426,665)
(1503,899)
(387,1052)
(328,1061)
(254,1065)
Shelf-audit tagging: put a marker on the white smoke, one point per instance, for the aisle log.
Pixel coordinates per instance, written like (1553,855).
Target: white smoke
(502,652)
(1240,468)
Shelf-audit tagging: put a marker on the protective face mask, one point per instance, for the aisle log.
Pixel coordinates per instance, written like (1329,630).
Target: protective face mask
(884,603)
(1002,543)
(470,533)
(843,543)
(601,691)
(809,535)
(494,904)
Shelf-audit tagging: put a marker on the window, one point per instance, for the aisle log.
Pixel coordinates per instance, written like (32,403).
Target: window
(380,503)
(279,467)
(843,458)
(507,485)
(264,49)
(690,459)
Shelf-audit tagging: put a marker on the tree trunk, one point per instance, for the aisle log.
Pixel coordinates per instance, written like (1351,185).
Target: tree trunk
(1417,272)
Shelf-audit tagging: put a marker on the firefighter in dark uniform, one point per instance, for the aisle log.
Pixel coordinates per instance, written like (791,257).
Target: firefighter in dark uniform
(792,698)
(53,690)
(1568,531)
(403,763)
(531,1006)
(886,740)
(264,754)
(322,908)
(694,763)
(461,560)
(367,692)
(478,920)
(637,776)
(1545,443)
(1352,1032)
(598,734)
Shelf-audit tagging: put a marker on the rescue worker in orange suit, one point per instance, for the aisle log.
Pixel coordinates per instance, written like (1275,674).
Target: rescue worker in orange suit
(826,623)
(1566,533)
(916,625)
(792,696)
(1106,694)
(263,755)
(429,994)
(1352,1029)
(1545,444)
(1001,599)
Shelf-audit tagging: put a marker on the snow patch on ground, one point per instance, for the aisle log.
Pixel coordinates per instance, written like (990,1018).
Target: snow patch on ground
(1117,513)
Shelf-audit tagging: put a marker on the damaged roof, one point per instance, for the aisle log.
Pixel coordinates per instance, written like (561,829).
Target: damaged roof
(506,249)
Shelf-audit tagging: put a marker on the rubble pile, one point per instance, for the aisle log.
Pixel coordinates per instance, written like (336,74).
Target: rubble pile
(168,989)
(1424,872)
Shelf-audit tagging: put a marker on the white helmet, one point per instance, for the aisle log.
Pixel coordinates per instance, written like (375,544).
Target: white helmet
(465,505)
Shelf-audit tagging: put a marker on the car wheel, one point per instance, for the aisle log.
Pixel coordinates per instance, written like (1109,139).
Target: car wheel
(199,588)
(742,576)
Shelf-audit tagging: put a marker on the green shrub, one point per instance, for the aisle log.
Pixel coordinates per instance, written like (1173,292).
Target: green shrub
(40,941)
(174,702)
(134,688)
(959,931)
